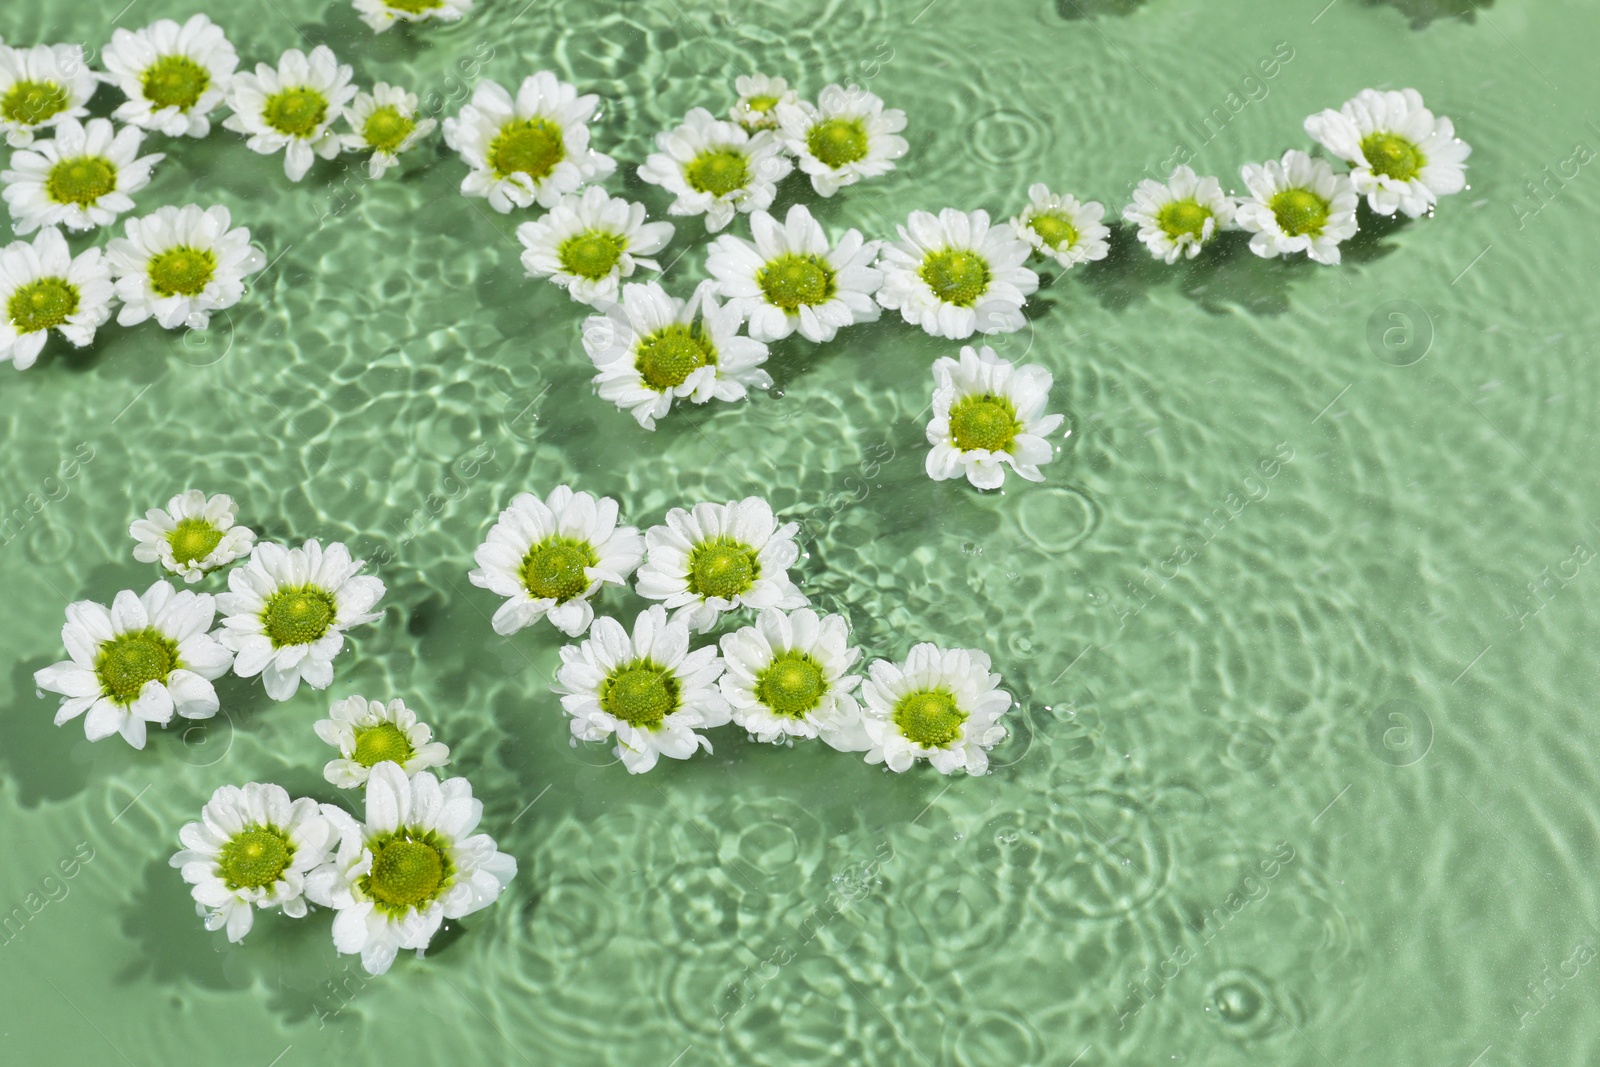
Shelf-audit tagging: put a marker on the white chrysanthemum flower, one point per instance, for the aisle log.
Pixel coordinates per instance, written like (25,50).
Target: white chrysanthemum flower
(179,265)
(847,135)
(194,535)
(648,689)
(988,414)
(786,677)
(173,76)
(1297,204)
(252,848)
(1061,228)
(533,148)
(717,557)
(286,611)
(137,662)
(370,732)
(759,97)
(415,863)
(41,86)
(82,178)
(384,123)
(588,243)
(381,14)
(792,279)
(1401,157)
(953,274)
(44,287)
(550,557)
(716,168)
(941,705)
(655,347)
(292,107)
(1180,216)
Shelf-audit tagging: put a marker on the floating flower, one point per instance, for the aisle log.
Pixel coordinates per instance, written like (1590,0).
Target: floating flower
(656,347)
(1297,204)
(137,662)
(194,535)
(84,177)
(647,689)
(286,611)
(1180,216)
(381,14)
(533,148)
(252,848)
(179,265)
(786,677)
(173,76)
(717,557)
(550,557)
(941,705)
(415,863)
(292,108)
(41,86)
(1060,228)
(953,274)
(988,414)
(44,287)
(847,135)
(759,97)
(369,732)
(715,168)
(792,279)
(384,123)
(588,243)
(1401,157)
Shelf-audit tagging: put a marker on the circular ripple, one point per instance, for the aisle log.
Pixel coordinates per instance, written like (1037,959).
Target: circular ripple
(1005,135)
(1057,519)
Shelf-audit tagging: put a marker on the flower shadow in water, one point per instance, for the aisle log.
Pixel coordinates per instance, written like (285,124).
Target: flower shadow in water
(27,728)
(1087,9)
(1424,12)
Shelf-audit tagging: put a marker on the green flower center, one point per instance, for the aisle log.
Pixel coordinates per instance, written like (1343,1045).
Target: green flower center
(592,254)
(792,685)
(386,129)
(1054,229)
(1178,218)
(722,567)
(193,539)
(956,275)
(984,421)
(929,717)
(296,112)
(527,146)
(667,357)
(254,858)
(385,741)
(1392,156)
(1300,212)
(413,7)
(41,304)
(81,180)
(553,568)
(791,281)
(182,271)
(761,104)
(30,103)
(718,171)
(175,81)
(409,868)
(297,616)
(838,142)
(129,660)
(640,694)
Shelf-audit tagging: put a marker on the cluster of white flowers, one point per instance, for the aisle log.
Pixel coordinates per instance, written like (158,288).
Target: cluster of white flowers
(784,677)
(149,656)
(392,878)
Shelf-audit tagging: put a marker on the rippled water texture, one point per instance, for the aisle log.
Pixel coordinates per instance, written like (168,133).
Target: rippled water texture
(1323,794)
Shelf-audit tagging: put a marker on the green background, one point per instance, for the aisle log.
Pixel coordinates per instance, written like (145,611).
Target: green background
(1323,793)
